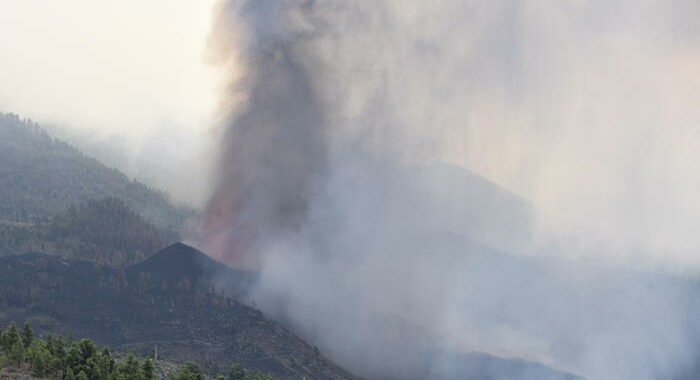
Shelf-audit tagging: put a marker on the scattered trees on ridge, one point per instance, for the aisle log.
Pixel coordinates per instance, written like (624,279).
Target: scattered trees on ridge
(55,357)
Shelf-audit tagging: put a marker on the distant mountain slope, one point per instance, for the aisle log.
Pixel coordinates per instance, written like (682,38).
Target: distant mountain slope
(461,201)
(42,176)
(185,321)
(481,366)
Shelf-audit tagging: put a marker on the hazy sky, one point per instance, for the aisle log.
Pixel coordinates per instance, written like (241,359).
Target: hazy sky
(585,108)
(129,70)
(127,65)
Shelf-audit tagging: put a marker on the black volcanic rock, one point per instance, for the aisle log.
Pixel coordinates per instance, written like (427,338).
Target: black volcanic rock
(179,261)
(186,323)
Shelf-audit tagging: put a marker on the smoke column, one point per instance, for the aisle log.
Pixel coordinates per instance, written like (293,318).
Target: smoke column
(415,180)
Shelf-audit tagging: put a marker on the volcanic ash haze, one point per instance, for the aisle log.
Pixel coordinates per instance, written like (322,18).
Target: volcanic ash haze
(416,180)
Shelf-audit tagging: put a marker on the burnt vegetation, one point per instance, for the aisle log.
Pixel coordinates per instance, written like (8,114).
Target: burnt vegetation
(136,313)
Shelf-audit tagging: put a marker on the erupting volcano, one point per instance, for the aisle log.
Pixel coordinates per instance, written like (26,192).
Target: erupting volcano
(417,181)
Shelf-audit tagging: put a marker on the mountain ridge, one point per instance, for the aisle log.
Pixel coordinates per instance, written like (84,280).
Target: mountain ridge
(42,176)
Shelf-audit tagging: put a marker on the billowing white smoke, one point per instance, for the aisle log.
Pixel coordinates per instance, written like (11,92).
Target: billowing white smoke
(334,178)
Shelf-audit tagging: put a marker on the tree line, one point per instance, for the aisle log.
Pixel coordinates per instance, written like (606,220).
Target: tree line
(104,230)
(56,357)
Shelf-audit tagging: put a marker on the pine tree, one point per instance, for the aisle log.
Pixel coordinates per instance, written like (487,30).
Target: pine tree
(131,368)
(91,370)
(105,363)
(73,359)
(27,335)
(17,352)
(196,371)
(82,376)
(49,343)
(69,374)
(39,358)
(184,374)
(149,372)
(5,342)
(237,373)
(9,338)
(86,350)
(58,348)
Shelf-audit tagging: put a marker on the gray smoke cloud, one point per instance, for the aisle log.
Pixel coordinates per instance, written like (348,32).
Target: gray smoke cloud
(419,180)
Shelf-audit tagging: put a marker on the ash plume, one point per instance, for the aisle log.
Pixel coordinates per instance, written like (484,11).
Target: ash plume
(275,149)
(420,181)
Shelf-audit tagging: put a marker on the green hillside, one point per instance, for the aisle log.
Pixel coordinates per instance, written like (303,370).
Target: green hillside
(56,200)
(104,231)
(42,176)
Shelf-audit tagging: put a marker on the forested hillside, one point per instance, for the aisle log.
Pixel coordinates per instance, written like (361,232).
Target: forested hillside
(104,231)
(56,200)
(42,176)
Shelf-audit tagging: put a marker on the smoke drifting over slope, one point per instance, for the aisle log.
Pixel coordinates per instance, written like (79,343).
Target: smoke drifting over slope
(334,179)
(124,81)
